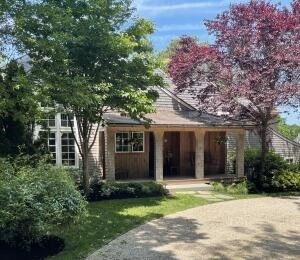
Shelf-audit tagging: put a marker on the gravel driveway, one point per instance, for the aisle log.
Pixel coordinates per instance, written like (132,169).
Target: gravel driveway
(263,228)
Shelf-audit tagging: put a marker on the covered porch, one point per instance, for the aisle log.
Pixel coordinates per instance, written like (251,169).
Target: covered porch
(172,153)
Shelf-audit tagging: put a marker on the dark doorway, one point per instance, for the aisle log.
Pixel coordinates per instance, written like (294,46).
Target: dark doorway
(151,154)
(214,153)
(171,154)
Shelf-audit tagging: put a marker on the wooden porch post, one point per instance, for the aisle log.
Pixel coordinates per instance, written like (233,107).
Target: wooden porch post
(159,161)
(109,154)
(199,154)
(240,151)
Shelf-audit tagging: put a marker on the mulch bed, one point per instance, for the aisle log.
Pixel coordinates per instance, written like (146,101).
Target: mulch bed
(47,246)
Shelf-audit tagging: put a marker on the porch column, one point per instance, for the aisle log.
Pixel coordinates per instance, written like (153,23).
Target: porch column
(109,154)
(199,154)
(159,161)
(240,151)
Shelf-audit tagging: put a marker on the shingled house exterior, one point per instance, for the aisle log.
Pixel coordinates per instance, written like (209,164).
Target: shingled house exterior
(181,143)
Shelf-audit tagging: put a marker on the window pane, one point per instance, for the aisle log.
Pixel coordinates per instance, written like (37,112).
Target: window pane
(51,141)
(49,121)
(64,155)
(65,122)
(137,142)
(122,142)
(64,149)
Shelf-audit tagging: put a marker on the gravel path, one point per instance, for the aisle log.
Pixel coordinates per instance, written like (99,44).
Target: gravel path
(263,228)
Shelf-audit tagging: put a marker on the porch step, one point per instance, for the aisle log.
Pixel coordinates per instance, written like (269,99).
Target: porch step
(188,187)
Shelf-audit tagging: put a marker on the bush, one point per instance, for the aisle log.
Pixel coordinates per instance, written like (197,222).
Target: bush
(274,163)
(35,200)
(287,181)
(114,190)
(234,188)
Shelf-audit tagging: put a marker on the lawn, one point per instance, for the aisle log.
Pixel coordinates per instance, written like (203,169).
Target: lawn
(109,219)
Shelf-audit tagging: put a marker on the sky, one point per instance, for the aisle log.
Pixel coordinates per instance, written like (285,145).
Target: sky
(174,18)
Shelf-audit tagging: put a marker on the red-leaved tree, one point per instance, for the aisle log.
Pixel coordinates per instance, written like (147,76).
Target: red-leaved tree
(252,68)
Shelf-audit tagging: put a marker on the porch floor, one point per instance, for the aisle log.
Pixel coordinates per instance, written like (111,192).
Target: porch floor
(183,180)
(207,179)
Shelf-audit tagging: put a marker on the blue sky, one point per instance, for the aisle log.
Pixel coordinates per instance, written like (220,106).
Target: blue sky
(174,18)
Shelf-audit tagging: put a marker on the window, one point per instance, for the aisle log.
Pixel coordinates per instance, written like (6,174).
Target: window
(49,121)
(60,140)
(50,140)
(68,149)
(122,142)
(64,122)
(52,146)
(127,142)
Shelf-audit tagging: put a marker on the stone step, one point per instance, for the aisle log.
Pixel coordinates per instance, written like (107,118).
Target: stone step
(189,187)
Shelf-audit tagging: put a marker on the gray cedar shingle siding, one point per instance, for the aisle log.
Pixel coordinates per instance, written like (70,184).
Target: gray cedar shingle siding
(281,145)
(171,110)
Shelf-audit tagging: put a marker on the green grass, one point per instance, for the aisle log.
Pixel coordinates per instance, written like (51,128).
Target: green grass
(109,219)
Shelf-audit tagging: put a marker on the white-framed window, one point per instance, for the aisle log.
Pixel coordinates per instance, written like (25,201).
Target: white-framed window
(50,139)
(60,140)
(49,122)
(65,122)
(129,142)
(68,157)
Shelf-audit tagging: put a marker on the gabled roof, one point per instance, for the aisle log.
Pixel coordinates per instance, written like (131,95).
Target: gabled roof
(172,110)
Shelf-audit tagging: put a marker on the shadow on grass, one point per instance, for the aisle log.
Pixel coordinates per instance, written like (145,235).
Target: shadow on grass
(109,219)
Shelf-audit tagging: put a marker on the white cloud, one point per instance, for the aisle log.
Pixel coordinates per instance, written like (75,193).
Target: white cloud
(180,27)
(148,6)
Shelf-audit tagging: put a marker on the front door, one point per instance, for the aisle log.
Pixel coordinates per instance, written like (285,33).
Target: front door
(171,154)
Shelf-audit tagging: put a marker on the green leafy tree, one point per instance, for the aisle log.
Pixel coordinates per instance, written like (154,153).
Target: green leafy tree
(18,109)
(289,131)
(89,57)
(165,55)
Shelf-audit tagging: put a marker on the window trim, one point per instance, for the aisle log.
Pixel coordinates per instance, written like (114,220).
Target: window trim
(130,135)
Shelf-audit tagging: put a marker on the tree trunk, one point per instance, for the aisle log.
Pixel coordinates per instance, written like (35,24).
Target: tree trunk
(85,166)
(264,148)
(85,173)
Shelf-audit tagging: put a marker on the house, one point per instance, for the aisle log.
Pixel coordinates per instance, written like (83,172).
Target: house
(180,143)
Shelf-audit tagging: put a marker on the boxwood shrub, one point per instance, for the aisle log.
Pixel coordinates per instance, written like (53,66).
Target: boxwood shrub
(35,200)
(116,190)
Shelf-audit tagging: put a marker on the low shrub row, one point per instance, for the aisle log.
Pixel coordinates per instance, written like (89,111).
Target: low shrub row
(234,188)
(116,190)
